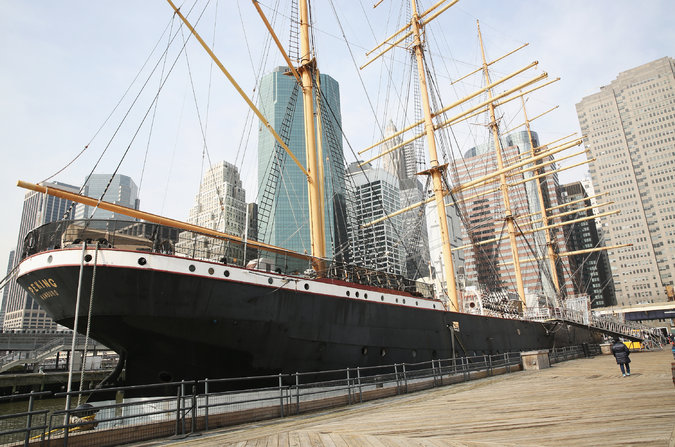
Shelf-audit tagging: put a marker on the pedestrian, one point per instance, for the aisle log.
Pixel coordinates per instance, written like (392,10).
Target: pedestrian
(622,356)
(672,345)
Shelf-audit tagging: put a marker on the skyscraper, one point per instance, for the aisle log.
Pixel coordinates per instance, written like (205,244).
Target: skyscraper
(489,262)
(283,203)
(402,163)
(630,132)
(589,269)
(121,191)
(220,205)
(5,290)
(378,246)
(20,311)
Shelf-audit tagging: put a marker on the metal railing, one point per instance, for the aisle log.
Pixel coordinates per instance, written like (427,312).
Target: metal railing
(116,417)
(154,238)
(602,322)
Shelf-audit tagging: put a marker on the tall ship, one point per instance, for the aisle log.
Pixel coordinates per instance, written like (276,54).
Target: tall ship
(181,301)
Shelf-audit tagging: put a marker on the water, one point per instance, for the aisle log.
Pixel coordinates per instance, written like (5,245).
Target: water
(21,406)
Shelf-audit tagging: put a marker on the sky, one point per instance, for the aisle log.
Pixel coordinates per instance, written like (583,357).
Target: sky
(66,65)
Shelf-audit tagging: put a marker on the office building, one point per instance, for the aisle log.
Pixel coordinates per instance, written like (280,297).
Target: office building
(5,290)
(120,190)
(283,205)
(629,128)
(21,312)
(220,205)
(489,261)
(376,194)
(590,270)
(402,163)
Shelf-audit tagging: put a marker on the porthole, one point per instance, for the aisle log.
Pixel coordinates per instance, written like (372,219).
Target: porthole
(383,352)
(365,295)
(142,261)
(87,258)
(306,286)
(403,300)
(434,306)
(397,300)
(364,350)
(356,294)
(270,280)
(226,273)
(192,268)
(211,271)
(50,258)
(381,297)
(417,303)
(347,292)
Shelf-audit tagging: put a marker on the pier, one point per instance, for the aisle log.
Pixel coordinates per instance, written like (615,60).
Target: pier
(583,402)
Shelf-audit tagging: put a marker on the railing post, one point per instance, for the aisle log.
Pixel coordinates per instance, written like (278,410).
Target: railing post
(433,372)
(405,379)
(358,377)
(182,401)
(349,388)
(66,422)
(193,425)
(281,396)
(440,371)
(297,393)
(206,406)
(178,409)
(29,419)
(396,375)
(490,365)
(465,367)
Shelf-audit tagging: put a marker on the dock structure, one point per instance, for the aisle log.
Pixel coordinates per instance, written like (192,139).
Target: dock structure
(583,402)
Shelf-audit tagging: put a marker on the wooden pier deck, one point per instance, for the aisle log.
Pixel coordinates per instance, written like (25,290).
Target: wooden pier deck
(584,402)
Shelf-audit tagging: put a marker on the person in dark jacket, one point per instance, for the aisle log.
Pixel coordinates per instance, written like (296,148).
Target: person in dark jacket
(621,354)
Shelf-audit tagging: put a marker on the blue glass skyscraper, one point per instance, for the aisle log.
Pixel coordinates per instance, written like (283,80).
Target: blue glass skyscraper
(284,215)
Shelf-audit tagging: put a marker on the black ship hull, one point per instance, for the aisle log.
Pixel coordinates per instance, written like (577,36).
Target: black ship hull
(177,318)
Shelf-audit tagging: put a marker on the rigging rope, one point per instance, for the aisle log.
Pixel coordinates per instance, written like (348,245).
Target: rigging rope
(145,116)
(119,102)
(86,337)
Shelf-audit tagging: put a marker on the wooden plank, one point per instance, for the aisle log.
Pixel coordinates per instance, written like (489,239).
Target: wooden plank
(583,402)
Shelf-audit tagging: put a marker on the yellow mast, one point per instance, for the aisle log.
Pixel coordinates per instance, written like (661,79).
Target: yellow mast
(552,257)
(314,186)
(436,170)
(508,215)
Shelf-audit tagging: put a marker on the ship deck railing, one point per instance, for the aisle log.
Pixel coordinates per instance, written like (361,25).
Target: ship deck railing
(181,408)
(612,326)
(161,239)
